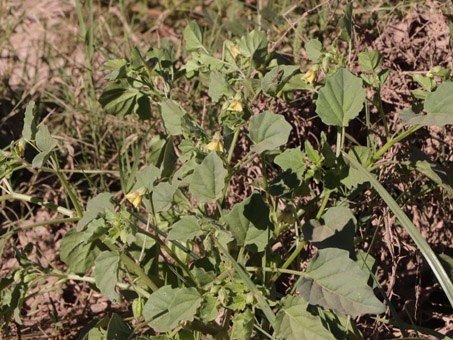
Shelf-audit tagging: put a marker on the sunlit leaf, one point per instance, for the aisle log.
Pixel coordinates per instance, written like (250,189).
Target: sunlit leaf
(268,131)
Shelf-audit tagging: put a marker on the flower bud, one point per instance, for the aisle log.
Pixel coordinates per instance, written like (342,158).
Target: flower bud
(135,197)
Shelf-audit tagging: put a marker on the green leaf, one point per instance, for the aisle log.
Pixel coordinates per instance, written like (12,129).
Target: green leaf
(118,329)
(243,325)
(185,229)
(254,46)
(412,230)
(370,61)
(294,322)
(354,176)
(163,196)
(249,222)
(337,231)
(204,271)
(193,36)
(427,83)
(268,131)
(276,78)
(146,178)
(29,130)
(438,106)
(78,255)
(341,99)
(95,206)
(346,23)
(209,309)
(293,160)
(314,50)
(106,274)
(168,306)
(334,281)
(208,179)
(45,143)
(218,86)
(172,114)
(118,98)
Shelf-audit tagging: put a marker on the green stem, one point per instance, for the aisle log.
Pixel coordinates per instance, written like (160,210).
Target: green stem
(390,143)
(68,189)
(323,205)
(132,266)
(31,226)
(275,270)
(289,260)
(38,201)
(233,145)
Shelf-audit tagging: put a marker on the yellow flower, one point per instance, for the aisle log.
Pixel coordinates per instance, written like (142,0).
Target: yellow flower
(310,76)
(135,197)
(215,145)
(234,49)
(236,105)
(429,74)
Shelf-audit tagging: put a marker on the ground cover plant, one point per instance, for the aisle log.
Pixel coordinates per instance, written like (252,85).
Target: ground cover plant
(229,170)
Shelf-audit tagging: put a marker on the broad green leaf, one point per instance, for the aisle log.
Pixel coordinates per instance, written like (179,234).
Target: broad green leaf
(95,206)
(167,158)
(163,196)
(118,329)
(95,229)
(106,274)
(336,231)
(412,230)
(243,325)
(168,306)
(340,326)
(334,281)
(208,179)
(45,143)
(78,255)
(293,160)
(249,222)
(254,46)
(172,114)
(118,98)
(29,130)
(438,106)
(204,271)
(209,308)
(193,36)
(314,50)
(185,229)
(146,178)
(218,86)
(341,99)
(268,131)
(370,61)
(294,322)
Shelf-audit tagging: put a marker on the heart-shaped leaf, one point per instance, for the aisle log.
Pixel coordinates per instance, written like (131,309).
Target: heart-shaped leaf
(334,281)
(268,131)
(341,99)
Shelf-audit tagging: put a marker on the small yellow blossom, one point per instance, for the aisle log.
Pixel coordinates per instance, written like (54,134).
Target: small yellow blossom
(236,105)
(215,145)
(310,76)
(234,49)
(429,74)
(19,148)
(135,197)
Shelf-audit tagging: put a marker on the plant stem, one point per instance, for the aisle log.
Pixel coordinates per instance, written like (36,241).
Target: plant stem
(38,201)
(134,267)
(289,260)
(390,143)
(323,205)
(39,224)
